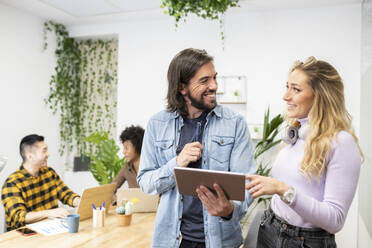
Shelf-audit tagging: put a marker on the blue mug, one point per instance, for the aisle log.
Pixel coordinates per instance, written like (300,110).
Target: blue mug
(73,222)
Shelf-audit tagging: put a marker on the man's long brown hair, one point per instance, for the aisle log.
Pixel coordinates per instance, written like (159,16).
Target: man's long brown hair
(182,69)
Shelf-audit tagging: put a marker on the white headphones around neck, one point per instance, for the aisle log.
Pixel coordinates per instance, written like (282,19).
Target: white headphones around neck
(291,134)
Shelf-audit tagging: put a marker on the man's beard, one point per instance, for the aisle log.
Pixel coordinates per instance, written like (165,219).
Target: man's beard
(199,104)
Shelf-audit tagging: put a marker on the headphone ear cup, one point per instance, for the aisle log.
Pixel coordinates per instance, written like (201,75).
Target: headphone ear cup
(290,135)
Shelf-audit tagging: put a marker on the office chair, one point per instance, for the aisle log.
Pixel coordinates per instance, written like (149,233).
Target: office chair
(251,238)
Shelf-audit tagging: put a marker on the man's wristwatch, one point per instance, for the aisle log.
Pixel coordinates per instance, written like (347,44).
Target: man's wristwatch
(288,196)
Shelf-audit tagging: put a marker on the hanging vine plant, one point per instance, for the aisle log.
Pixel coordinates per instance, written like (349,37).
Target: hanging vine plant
(83,89)
(206,9)
(64,86)
(99,87)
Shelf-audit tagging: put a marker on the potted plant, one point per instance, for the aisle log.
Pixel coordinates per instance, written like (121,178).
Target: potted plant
(256,133)
(81,163)
(270,131)
(206,9)
(105,163)
(236,95)
(124,212)
(268,140)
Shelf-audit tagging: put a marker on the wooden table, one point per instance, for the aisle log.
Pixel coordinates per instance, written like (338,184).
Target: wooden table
(138,234)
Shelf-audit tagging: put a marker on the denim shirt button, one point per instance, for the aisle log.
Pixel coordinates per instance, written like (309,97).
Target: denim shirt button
(284,226)
(302,238)
(222,142)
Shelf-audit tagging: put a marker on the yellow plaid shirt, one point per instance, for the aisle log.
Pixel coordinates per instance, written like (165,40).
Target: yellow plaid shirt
(23,193)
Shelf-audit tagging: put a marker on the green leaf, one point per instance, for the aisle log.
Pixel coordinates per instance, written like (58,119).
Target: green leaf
(206,9)
(105,163)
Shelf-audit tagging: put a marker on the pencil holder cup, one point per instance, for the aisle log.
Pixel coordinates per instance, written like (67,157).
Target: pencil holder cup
(99,217)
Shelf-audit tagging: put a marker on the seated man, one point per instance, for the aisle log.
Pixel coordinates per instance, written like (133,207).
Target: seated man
(32,192)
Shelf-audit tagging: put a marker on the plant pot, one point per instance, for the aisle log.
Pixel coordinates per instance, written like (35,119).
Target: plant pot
(81,163)
(124,219)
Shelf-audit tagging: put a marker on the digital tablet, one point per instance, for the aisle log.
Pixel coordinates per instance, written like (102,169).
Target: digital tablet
(189,179)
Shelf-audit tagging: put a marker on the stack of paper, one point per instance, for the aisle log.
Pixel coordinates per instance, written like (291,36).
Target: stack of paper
(49,227)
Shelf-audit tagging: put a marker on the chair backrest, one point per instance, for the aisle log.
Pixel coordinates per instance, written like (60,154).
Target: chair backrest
(251,238)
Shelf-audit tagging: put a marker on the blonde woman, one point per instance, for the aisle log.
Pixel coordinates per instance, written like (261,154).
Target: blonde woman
(316,174)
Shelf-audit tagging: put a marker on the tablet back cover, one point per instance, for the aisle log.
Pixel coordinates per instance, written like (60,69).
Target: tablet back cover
(189,179)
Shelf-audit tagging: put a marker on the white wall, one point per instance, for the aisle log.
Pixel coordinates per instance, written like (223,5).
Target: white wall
(365,201)
(261,45)
(25,72)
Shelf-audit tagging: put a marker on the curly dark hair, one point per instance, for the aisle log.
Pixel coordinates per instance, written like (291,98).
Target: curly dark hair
(135,135)
(182,68)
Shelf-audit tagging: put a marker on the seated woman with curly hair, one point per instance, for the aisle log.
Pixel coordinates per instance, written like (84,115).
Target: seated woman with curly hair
(131,138)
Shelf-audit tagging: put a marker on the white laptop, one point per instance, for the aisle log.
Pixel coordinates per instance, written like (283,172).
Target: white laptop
(146,203)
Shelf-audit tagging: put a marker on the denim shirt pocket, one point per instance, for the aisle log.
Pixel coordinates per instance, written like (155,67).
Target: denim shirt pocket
(220,151)
(164,150)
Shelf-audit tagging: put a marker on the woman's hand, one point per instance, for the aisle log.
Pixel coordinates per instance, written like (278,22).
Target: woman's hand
(260,185)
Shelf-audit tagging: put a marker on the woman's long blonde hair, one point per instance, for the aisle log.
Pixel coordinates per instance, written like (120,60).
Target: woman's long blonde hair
(327,117)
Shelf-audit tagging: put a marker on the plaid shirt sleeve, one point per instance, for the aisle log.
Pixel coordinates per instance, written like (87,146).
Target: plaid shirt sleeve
(65,194)
(14,205)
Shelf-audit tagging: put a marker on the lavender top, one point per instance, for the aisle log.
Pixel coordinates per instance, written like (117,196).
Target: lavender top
(320,203)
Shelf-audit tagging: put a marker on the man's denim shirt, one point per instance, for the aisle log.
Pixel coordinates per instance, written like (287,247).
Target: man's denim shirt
(226,147)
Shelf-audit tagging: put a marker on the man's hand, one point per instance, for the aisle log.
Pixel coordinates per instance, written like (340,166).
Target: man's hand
(32,217)
(76,202)
(190,153)
(57,213)
(216,206)
(260,185)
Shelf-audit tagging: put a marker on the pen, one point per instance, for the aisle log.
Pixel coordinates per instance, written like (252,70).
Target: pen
(93,206)
(103,205)
(197,131)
